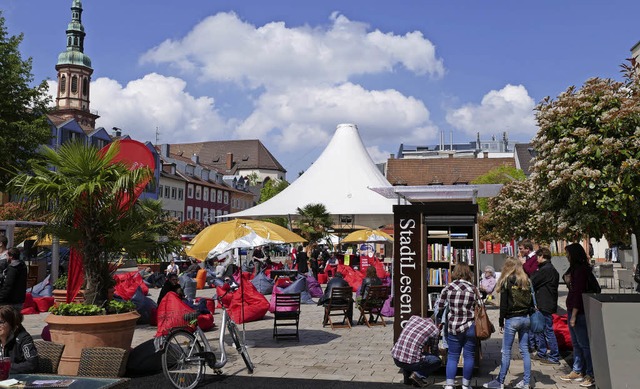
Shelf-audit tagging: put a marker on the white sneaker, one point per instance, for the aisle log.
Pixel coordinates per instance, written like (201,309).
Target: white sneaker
(494,384)
(521,385)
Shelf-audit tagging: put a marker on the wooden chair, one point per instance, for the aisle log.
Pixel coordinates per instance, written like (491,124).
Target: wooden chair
(49,355)
(371,306)
(103,362)
(286,314)
(340,304)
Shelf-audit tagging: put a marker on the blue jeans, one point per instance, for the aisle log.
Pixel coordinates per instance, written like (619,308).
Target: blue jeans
(512,326)
(547,338)
(425,367)
(580,339)
(457,342)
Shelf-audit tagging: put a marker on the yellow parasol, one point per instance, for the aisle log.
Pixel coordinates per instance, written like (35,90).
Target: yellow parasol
(367,236)
(239,233)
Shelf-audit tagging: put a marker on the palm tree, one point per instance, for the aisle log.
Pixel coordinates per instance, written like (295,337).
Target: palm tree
(314,222)
(88,198)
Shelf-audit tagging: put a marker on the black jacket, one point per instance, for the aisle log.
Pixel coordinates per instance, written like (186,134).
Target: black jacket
(22,352)
(14,287)
(514,301)
(302,261)
(366,283)
(545,282)
(333,283)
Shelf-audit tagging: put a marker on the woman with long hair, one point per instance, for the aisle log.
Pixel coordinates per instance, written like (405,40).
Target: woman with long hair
(516,303)
(461,295)
(576,278)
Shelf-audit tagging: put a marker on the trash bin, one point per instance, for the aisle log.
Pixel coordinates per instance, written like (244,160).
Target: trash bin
(614,337)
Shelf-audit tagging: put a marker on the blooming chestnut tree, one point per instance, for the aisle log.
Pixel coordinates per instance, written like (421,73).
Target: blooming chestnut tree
(588,153)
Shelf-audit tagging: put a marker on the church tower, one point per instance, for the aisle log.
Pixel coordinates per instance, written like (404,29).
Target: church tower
(74,74)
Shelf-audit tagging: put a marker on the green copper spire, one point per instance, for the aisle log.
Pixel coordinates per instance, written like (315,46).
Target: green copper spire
(75,40)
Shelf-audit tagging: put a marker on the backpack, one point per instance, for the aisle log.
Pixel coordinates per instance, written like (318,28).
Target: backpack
(592,283)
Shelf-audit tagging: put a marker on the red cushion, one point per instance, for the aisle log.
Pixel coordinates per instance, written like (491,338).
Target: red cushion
(322,278)
(43,303)
(354,278)
(29,311)
(28,302)
(205,322)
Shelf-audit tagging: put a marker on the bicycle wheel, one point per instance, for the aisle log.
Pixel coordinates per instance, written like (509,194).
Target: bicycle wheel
(180,366)
(242,349)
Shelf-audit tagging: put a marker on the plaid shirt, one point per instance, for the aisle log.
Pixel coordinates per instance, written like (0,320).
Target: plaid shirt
(461,296)
(418,332)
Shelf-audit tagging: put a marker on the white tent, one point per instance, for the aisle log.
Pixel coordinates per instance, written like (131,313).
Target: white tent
(340,179)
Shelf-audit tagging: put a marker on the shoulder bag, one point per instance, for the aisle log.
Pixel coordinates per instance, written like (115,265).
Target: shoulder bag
(484,327)
(537,318)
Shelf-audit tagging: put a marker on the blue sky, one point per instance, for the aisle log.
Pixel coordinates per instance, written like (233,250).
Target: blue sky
(288,72)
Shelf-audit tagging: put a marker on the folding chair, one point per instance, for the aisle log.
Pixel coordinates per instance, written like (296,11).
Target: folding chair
(371,306)
(49,355)
(340,304)
(625,280)
(103,362)
(286,314)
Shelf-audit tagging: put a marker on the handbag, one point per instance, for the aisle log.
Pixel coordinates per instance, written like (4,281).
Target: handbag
(484,327)
(537,318)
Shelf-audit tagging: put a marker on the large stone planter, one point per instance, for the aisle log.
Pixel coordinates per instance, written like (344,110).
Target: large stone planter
(78,332)
(614,336)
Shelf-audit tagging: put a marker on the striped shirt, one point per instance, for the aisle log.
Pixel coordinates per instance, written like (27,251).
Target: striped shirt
(418,332)
(461,296)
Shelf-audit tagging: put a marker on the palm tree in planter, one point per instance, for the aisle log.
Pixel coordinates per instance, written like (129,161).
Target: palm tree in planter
(314,222)
(88,197)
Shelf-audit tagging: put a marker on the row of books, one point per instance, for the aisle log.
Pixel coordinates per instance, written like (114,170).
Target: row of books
(447,234)
(438,276)
(439,252)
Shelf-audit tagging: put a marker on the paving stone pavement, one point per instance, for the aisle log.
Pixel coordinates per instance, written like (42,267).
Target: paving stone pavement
(359,354)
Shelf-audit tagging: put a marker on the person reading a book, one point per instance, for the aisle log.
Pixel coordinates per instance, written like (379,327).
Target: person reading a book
(16,343)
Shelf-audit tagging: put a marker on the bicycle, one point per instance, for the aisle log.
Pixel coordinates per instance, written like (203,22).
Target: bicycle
(187,352)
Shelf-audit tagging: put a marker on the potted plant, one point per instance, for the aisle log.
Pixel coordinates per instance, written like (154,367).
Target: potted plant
(60,291)
(92,203)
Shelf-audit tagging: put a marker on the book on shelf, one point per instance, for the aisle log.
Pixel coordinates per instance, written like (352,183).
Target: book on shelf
(432,233)
(439,252)
(459,235)
(438,277)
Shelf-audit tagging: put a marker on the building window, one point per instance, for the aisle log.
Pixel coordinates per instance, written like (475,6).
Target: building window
(212,215)
(63,83)
(198,192)
(179,216)
(219,212)
(180,193)
(85,86)
(190,191)
(189,213)
(205,215)
(160,194)
(205,194)
(173,193)
(166,192)
(198,213)
(219,197)
(226,197)
(74,84)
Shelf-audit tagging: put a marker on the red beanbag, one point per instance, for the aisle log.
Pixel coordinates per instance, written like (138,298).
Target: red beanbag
(170,313)
(255,304)
(28,302)
(205,322)
(43,303)
(29,311)
(561,330)
(354,278)
(127,283)
(322,278)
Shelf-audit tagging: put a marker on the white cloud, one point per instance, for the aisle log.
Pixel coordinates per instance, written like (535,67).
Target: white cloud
(377,155)
(309,115)
(224,48)
(154,101)
(508,109)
